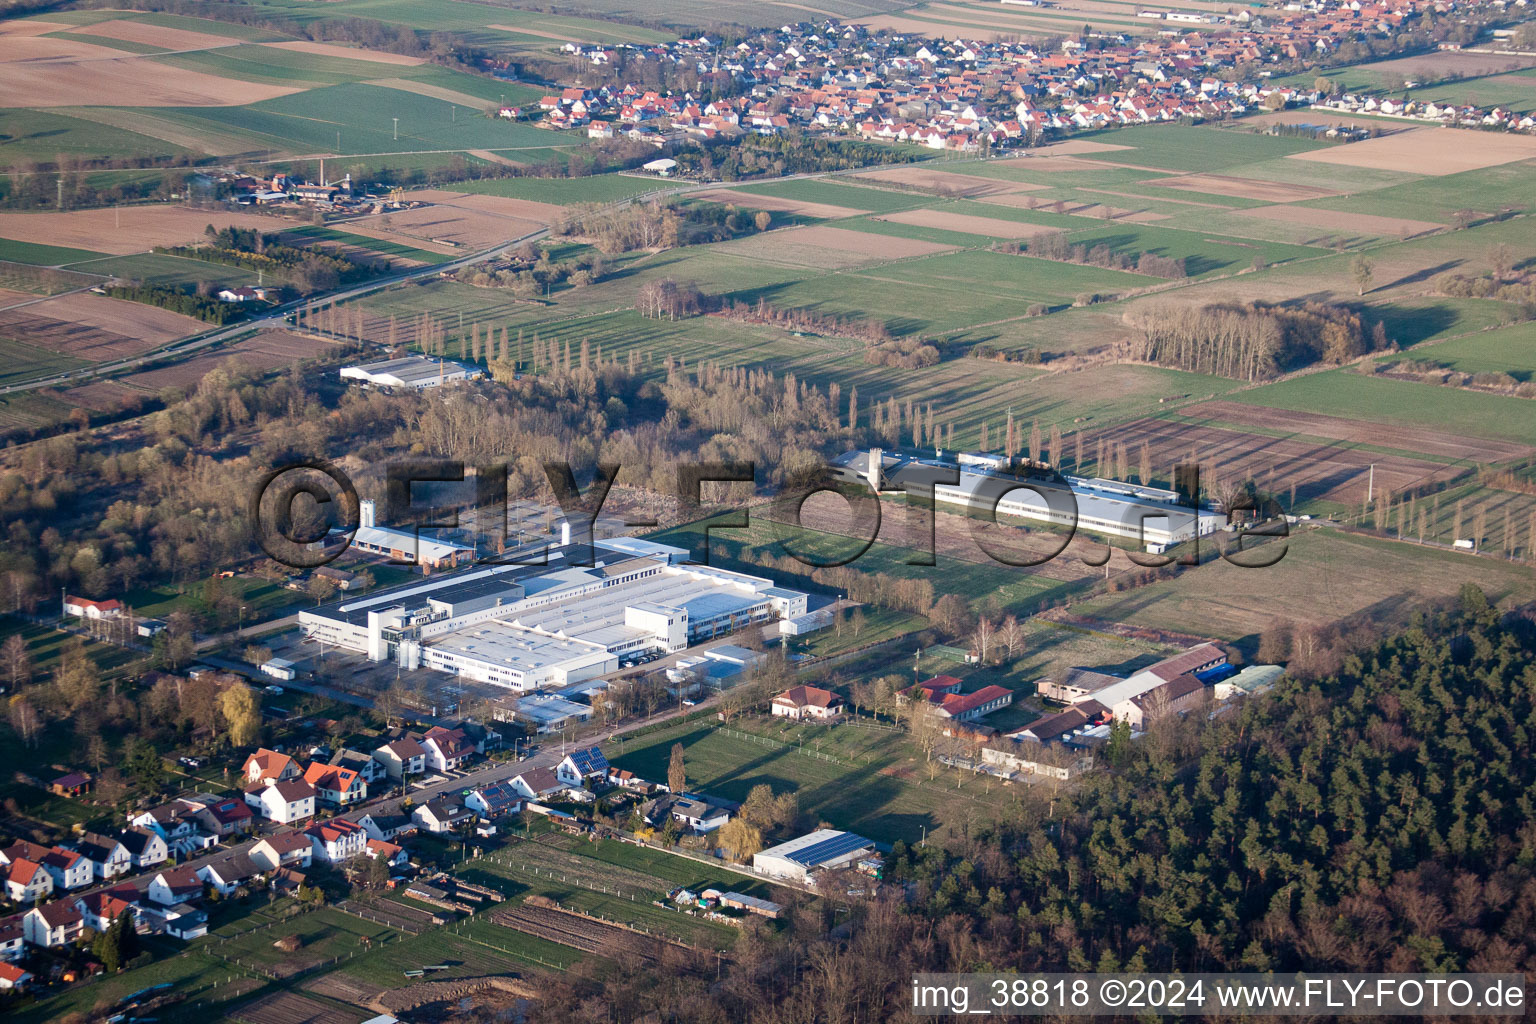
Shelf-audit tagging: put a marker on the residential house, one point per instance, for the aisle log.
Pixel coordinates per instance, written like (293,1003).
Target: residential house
(697,814)
(174,822)
(27,881)
(582,766)
(370,770)
(283,850)
(283,802)
(447,749)
(337,840)
(83,608)
(807,702)
(392,855)
(68,868)
(13,978)
(229,874)
(13,941)
(178,920)
(287,880)
(441,814)
(109,857)
(386,826)
(145,847)
(100,909)
(220,815)
(336,786)
(175,885)
(267,765)
(53,924)
(537,783)
(402,758)
(496,800)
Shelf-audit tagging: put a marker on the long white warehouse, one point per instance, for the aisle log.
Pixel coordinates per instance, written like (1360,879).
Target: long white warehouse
(1150,516)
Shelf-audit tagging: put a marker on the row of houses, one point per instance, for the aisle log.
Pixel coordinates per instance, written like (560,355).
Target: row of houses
(168,902)
(834,78)
(279,790)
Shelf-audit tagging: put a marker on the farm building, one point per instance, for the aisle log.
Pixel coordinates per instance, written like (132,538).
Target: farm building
(822,850)
(1172,685)
(411,372)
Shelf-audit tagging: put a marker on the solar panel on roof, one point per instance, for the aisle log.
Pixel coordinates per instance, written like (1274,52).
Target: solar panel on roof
(828,849)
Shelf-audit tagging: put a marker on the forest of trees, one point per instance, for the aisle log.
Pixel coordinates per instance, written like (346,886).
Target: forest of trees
(1251,341)
(179,300)
(1055,246)
(305,270)
(666,224)
(755,156)
(1376,819)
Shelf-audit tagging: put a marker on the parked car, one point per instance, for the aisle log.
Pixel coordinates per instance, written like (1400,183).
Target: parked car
(274,689)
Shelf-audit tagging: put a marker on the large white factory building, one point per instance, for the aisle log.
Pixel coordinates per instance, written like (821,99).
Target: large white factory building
(527,627)
(1151,516)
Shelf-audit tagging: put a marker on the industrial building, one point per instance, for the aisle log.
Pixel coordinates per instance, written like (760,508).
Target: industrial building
(822,850)
(405,545)
(411,372)
(1151,516)
(533,627)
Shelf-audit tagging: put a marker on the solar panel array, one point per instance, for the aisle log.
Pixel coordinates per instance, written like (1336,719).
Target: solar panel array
(590,761)
(828,849)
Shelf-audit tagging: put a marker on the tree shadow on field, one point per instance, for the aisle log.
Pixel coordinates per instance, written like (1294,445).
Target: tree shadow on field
(1422,275)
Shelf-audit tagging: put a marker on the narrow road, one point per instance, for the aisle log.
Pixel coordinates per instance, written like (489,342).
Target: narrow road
(278,317)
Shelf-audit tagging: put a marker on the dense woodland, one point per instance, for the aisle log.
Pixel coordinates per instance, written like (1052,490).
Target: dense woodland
(1375,819)
(1251,341)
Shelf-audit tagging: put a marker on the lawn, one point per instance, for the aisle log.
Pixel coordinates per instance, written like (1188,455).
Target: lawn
(259,596)
(19,361)
(1509,350)
(206,984)
(1356,396)
(45,644)
(314,232)
(1178,147)
(42,135)
(363,115)
(174,271)
(822,190)
(43,255)
(322,934)
(472,949)
(1437,198)
(597,188)
(886,796)
(981,582)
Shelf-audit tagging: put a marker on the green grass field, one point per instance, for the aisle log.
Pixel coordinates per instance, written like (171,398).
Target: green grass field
(1324,576)
(1195,148)
(308,122)
(854,197)
(176,271)
(20,361)
(1509,350)
(1437,198)
(43,255)
(885,794)
(43,135)
(209,987)
(597,188)
(1355,395)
